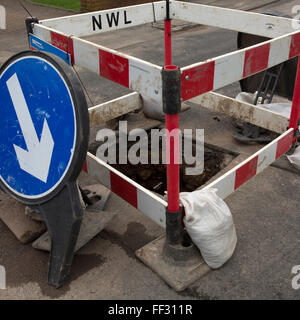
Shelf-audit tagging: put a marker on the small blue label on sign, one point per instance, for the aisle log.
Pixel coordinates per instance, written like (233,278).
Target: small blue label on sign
(41,45)
(37,127)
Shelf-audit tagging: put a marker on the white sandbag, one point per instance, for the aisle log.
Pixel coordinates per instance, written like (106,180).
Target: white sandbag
(295,158)
(209,223)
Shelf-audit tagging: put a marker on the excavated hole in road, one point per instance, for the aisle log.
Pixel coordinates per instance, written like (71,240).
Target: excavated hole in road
(153,176)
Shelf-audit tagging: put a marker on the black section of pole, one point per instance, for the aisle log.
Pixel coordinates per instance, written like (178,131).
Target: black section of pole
(28,22)
(174,229)
(168,10)
(171,90)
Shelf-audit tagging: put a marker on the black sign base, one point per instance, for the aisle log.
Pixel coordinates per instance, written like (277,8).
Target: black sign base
(63,217)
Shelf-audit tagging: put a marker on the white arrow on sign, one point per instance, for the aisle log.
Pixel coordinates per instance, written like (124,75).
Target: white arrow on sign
(36,161)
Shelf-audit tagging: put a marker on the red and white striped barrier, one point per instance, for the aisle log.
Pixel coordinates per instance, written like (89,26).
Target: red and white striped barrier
(252,166)
(203,77)
(197,79)
(154,207)
(92,23)
(130,72)
(139,197)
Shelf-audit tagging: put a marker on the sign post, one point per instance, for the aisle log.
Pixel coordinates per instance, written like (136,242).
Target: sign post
(44,128)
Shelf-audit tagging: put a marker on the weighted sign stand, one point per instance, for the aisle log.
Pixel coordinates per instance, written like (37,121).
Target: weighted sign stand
(63,216)
(44,129)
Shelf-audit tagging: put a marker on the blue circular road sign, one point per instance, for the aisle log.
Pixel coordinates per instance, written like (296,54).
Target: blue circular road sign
(43,117)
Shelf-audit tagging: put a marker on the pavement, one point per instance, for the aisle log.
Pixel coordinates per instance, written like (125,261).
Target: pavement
(266,210)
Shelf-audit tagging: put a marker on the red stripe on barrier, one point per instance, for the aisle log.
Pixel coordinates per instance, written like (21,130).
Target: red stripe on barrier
(295,46)
(246,172)
(256,60)
(64,43)
(284,144)
(123,189)
(33,49)
(114,68)
(197,80)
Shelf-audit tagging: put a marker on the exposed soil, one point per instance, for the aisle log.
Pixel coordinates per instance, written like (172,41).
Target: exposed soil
(153,177)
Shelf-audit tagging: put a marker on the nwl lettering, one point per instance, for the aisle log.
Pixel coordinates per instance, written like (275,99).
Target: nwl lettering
(112,19)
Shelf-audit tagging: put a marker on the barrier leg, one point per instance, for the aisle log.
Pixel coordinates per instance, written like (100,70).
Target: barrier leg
(295,113)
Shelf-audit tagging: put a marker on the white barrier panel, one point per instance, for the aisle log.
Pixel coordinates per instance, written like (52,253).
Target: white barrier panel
(108,20)
(236,20)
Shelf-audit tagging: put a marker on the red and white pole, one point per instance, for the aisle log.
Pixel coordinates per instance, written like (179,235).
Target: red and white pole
(168,42)
(173,177)
(172,105)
